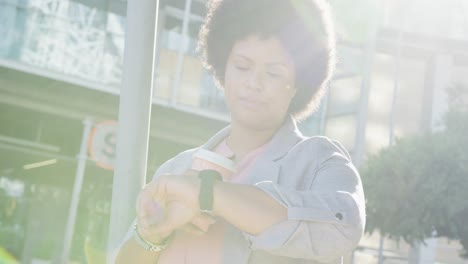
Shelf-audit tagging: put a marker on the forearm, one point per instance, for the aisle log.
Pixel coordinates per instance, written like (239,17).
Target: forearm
(247,207)
(131,252)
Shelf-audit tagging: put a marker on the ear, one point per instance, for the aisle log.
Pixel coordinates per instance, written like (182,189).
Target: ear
(293,92)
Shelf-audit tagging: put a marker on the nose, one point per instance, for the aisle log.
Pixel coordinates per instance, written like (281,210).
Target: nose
(255,80)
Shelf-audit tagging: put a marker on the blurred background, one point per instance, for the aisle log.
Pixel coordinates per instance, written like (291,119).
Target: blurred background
(398,99)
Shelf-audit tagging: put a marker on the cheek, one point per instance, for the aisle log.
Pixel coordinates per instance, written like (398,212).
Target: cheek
(228,88)
(281,102)
(284,106)
(231,84)
(231,79)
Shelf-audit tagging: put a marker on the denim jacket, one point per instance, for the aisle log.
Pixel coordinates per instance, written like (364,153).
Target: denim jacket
(314,178)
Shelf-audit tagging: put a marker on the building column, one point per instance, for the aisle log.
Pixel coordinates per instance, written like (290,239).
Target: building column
(443,64)
(441,81)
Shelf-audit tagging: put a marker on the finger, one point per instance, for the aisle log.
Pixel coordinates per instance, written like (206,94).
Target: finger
(138,206)
(145,199)
(207,218)
(189,228)
(191,172)
(151,224)
(162,229)
(156,233)
(147,225)
(159,189)
(203,221)
(141,199)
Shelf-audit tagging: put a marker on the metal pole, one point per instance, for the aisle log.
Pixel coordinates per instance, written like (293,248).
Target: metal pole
(134,116)
(369,57)
(381,245)
(391,135)
(88,124)
(396,80)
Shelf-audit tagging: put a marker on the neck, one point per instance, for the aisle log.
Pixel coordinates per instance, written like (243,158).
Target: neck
(244,139)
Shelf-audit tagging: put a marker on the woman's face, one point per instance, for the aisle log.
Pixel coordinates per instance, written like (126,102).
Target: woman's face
(259,82)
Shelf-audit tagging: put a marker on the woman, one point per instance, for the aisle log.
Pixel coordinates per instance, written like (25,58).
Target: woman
(292,199)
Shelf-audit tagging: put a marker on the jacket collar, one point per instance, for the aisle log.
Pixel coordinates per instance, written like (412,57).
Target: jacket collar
(284,139)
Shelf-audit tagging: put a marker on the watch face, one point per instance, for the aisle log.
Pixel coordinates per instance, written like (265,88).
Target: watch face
(205,197)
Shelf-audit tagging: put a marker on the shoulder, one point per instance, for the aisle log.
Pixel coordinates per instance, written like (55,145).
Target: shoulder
(318,163)
(322,164)
(319,149)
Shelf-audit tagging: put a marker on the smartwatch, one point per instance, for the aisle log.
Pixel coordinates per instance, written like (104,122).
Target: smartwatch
(205,196)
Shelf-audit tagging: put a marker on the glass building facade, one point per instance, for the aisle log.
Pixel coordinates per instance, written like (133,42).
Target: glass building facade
(395,60)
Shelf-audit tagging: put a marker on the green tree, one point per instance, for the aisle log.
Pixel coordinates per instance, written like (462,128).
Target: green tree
(420,184)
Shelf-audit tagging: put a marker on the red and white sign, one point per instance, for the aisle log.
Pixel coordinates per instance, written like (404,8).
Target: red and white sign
(102,144)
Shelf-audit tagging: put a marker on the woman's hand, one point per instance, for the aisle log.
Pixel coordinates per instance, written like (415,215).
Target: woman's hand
(183,188)
(178,197)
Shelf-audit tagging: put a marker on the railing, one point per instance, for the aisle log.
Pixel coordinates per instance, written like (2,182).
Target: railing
(63,37)
(67,40)
(84,45)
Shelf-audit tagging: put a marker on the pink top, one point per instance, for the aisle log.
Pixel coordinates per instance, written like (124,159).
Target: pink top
(207,248)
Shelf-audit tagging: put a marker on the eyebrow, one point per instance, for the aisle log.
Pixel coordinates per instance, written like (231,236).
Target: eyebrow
(243,57)
(280,63)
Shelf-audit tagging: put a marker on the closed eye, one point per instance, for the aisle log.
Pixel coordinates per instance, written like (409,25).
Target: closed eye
(242,68)
(275,75)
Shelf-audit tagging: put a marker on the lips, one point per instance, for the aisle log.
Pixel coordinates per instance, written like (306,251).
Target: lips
(251,102)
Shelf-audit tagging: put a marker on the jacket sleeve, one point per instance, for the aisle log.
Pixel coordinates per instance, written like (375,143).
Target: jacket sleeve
(326,219)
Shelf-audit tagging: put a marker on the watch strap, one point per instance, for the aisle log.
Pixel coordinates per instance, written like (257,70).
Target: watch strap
(207,181)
